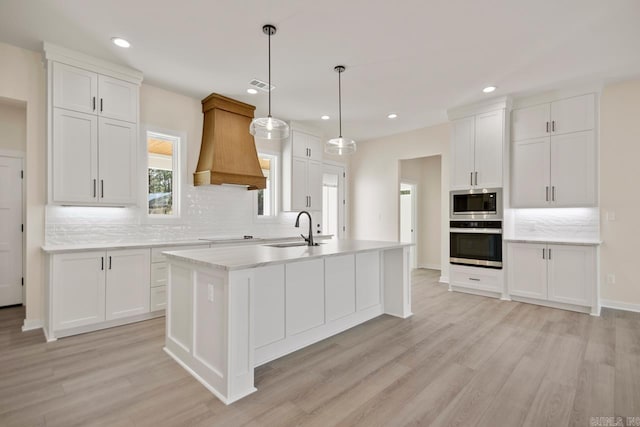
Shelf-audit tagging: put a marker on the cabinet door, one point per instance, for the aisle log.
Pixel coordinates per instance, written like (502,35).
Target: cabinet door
(489,149)
(304,295)
(299,194)
(128,283)
(573,169)
(316,148)
(315,185)
(118,99)
(117,162)
(78,282)
(158,298)
(340,286)
(269,312)
(74,88)
(530,173)
(74,157)
(572,274)
(462,153)
(531,122)
(367,280)
(573,114)
(527,270)
(300,144)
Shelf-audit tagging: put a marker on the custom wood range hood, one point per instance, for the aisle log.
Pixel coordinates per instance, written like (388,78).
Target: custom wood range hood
(228,151)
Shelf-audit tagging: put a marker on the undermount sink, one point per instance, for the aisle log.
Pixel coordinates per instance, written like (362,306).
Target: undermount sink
(291,245)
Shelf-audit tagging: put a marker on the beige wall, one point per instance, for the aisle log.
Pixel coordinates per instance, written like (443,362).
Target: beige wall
(22,79)
(619,154)
(13,126)
(375,184)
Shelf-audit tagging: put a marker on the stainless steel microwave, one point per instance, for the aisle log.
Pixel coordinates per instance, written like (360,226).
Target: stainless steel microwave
(483,204)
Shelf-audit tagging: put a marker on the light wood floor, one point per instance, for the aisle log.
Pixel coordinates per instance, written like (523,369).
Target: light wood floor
(460,360)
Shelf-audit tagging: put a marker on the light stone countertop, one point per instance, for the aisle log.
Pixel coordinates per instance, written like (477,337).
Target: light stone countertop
(222,241)
(558,241)
(239,258)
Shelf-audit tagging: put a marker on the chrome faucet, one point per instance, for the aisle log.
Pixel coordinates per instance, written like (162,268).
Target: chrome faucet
(309,240)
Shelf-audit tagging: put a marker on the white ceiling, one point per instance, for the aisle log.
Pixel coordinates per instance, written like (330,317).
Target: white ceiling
(413,57)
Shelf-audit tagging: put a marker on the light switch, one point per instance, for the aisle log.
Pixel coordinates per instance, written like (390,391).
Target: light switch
(210,292)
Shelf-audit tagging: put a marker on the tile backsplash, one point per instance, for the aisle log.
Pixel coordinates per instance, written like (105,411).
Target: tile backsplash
(567,223)
(216,211)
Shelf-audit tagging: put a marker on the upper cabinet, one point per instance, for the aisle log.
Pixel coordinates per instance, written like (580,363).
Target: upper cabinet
(302,172)
(554,160)
(477,145)
(92,130)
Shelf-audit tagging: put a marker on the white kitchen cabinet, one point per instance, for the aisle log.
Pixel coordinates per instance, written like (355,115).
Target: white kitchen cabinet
(78,297)
(558,273)
(118,99)
(340,286)
(573,169)
(74,88)
(560,117)
(302,172)
(269,314)
(128,282)
(117,161)
(304,295)
(477,145)
(530,172)
(531,122)
(74,157)
(158,298)
(476,278)
(367,279)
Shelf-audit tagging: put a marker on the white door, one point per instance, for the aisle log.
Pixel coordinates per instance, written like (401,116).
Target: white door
(573,169)
(10,231)
(573,114)
(488,149)
(527,270)
(408,219)
(462,153)
(128,282)
(531,122)
(571,273)
(315,185)
(74,88)
(78,294)
(118,99)
(530,173)
(75,157)
(333,201)
(117,162)
(299,194)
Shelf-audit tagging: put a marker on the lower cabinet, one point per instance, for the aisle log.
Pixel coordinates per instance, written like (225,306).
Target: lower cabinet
(563,274)
(304,295)
(476,278)
(127,287)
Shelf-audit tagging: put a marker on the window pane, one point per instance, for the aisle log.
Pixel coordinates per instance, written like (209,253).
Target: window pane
(161,178)
(265,196)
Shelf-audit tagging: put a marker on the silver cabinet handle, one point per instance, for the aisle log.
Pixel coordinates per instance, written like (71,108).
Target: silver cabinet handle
(553,193)
(309,152)
(553,126)
(476,177)
(101,263)
(94,103)
(474,279)
(94,188)
(470,178)
(101,105)
(547,193)
(102,188)
(109,262)
(549,253)
(547,127)
(543,253)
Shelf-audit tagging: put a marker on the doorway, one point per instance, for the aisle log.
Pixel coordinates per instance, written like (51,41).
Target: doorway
(10,230)
(408,218)
(333,200)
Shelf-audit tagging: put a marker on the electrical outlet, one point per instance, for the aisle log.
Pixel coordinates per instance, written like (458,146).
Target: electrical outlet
(210,292)
(611,279)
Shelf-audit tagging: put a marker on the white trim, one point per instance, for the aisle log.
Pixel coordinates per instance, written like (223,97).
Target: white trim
(494,104)
(18,154)
(52,52)
(444,279)
(61,333)
(275,176)
(474,291)
(31,324)
(431,266)
(619,305)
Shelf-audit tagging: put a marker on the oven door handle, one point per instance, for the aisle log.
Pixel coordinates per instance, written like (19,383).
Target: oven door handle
(477,230)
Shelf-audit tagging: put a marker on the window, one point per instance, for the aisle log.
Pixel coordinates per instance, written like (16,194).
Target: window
(163,178)
(266,198)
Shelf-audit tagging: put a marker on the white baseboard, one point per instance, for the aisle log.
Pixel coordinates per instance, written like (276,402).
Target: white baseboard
(31,324)
(431,266)
(444,279)
(619,305)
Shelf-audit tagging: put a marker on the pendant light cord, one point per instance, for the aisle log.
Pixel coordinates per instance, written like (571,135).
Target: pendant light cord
(340,102)
(269,73)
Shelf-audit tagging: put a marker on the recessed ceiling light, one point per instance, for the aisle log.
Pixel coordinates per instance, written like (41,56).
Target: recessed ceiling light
(252,91)
(489,89)
(120,42)
(392,116)
(325,117)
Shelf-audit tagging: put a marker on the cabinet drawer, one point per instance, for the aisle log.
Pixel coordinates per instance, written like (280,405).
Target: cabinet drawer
(158,298)
(477,278)
(158,274)
(157,256)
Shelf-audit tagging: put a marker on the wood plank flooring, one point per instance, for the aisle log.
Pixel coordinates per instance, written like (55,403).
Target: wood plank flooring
(460,360)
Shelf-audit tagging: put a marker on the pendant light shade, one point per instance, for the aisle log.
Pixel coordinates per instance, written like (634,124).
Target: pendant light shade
(269,127)
(340,145)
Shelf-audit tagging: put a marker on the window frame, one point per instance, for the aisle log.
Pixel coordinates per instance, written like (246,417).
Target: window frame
(179,173)
(275,193)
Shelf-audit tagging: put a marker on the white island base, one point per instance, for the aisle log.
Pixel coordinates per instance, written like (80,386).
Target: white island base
(232,309)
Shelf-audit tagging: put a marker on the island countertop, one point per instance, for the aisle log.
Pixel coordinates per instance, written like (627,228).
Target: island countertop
(240,258)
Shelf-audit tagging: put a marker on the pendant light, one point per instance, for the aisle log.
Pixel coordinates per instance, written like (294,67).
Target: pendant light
(340,145)
(269,127)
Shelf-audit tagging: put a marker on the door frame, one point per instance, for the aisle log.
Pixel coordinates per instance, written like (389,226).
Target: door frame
(16,154)
(414,219)
(342,185)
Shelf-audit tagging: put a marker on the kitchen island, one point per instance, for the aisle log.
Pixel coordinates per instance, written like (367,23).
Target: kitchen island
(232,309)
